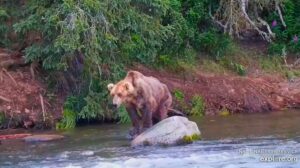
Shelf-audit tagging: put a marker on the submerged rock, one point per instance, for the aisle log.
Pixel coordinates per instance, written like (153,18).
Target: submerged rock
(170,131)
(13,136)
(43,138)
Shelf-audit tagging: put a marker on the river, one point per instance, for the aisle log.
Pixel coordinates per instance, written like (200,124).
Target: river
(250,141)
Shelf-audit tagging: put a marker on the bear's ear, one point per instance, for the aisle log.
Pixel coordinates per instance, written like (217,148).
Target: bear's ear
(110,86)
(128,86)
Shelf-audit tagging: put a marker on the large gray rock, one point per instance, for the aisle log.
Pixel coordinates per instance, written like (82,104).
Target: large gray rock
(43,138)
(170,131)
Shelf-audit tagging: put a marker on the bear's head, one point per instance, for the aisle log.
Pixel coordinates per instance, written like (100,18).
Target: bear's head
(121,93)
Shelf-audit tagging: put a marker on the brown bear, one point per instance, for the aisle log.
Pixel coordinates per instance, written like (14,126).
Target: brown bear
(144,94)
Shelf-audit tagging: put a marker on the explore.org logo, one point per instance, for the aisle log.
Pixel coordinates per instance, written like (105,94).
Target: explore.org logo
(278,159)
(271,155)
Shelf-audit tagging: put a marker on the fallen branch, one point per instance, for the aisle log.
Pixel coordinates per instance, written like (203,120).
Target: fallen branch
(43,107)
(9,75)
(5,99)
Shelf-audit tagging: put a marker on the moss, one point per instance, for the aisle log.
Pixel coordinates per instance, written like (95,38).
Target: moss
(224,112)
(189,139)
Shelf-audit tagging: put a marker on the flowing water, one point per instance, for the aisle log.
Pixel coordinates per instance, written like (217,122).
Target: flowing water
(256,140)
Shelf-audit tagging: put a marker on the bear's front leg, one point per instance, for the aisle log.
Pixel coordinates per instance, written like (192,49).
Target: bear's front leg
(146,118)
(135,119)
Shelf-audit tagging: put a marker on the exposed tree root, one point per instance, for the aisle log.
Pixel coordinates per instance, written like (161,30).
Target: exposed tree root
(9,59)
(236,16)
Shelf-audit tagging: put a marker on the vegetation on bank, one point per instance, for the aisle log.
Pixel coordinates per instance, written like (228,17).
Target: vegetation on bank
(83,45)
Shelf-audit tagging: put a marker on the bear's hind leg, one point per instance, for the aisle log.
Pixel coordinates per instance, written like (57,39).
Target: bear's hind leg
(162,111)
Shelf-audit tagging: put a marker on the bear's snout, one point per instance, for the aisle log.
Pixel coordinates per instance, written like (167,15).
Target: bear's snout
(113,106)
(117,101)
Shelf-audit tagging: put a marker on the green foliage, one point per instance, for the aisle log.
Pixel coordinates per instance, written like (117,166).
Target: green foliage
(2,119)
(166,61)
(3,15)
(215,43)
(68,121)
(109,34)
(179,98)
(235,67)
(195,108)
(69,113)
(276,49)
(123,115)
(198,106)
(3,27)
(96,98)
(192,29)
(285,36)
(240,69)
(9,12)
(184,64)
(179,95)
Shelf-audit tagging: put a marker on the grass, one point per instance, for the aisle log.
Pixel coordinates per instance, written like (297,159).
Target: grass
(272,64)
(276,65)
(2,119)
(240,61)
(198,106)
(212,66)
(68,121)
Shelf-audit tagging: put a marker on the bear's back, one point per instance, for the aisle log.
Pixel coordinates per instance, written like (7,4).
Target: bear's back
(157,89)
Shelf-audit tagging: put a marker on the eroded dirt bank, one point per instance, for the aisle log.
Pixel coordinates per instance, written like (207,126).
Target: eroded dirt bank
(234,93)
(26,102)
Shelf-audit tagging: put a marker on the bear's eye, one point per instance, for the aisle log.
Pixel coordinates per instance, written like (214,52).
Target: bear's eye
(119,95)
(113,95)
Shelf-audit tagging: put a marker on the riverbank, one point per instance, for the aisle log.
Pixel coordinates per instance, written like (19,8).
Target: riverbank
(26,101)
